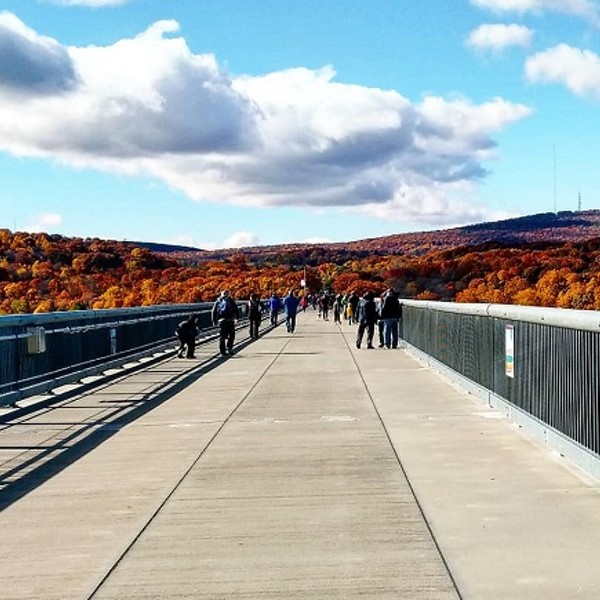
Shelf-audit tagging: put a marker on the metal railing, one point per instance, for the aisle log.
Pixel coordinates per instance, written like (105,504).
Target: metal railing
(41,352)
(543,361)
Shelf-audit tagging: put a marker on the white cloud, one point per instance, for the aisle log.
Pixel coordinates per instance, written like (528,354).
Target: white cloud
(578,70)
(582,8)
(240,239)
(181,240)
(46,222)
(497,37)
(149,106)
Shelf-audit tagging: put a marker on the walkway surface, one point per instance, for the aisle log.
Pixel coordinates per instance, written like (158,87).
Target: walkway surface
(299,468)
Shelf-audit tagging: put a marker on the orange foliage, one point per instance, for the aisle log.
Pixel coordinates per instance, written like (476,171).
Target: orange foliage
(41,273)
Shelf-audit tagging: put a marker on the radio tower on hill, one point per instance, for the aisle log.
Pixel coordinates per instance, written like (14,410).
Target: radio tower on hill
(554,175)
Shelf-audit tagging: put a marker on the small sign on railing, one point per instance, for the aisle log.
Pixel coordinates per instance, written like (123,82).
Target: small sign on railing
(36,340)
(509,350)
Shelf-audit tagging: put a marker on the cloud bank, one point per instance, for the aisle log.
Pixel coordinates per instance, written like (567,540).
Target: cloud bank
(149,106)
(582,8)
(31,63)
(497,37)
(578,70)
(44,222)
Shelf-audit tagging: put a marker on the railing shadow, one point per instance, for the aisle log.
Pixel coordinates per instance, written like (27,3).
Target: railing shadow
(52,458)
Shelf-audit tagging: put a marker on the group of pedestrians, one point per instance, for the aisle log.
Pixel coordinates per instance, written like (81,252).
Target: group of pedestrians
(225,314)
(385,314)
(367,312)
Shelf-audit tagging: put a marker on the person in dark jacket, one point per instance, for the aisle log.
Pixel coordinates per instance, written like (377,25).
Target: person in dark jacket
(225,314)
(391,312)
(338,308)
(379,303)
(255,310)
(353,301)
(367,317)
(186,333)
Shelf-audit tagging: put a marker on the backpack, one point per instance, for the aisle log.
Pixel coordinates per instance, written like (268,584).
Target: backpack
(224,309)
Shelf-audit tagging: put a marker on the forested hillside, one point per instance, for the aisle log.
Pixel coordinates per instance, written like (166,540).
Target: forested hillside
(41,272)
(546,227)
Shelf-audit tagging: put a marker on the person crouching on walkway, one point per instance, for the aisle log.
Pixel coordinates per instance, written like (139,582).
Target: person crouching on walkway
(367,318)
(225,314)
(186,333)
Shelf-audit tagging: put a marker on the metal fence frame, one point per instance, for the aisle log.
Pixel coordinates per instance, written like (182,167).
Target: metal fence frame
(39,352)
(555,357)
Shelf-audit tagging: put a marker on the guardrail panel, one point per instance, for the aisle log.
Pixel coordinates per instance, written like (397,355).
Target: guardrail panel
(556,358)
(82,341)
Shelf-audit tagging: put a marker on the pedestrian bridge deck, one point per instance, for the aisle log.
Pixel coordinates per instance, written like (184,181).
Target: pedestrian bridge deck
(299,468)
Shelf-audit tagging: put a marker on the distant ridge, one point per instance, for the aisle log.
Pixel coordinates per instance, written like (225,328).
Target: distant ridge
(565,226)
(165,248)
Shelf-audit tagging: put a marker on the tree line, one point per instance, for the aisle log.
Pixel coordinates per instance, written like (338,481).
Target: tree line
(41,273)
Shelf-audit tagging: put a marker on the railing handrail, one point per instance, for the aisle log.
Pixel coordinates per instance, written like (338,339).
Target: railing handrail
(39,319)
(586,320)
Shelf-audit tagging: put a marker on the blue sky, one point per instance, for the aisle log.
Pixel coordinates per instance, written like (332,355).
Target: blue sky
(221,123)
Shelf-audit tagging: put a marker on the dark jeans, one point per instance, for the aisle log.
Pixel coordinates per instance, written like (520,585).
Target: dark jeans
(254,325)
(290,323)
(390,332)
(188,341)
(369,328)
(226,335)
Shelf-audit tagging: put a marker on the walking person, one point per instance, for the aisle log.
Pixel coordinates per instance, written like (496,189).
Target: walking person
(255,310)
(303,303)
(338,309)
(274,304)
(290,308)
(347,309)
(353,301)
(186,333)
(324,304)
(367,318)
(225,314)
(380,321)
(391,311)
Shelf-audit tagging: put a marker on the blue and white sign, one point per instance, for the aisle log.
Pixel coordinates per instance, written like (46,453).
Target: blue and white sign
(509,346)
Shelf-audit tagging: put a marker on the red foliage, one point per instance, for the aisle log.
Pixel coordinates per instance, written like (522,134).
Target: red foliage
(40,272)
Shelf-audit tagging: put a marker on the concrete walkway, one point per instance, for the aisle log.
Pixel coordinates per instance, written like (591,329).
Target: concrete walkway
(299,468)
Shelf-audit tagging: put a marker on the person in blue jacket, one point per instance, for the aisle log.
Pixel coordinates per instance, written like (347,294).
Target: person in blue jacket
(290,308)
(274,304)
